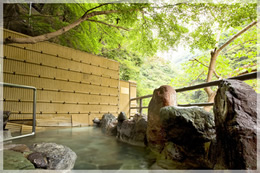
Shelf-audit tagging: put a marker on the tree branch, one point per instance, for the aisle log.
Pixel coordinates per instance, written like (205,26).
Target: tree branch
(237,46)
(45,37)
(143,17)
(214,54)
(118,27)
(214,71)
(101,6)
(196,78)
(239,71)
(237,35)
(172,5)
(199,62)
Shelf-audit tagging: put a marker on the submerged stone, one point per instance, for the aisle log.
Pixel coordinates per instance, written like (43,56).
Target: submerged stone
(17,147)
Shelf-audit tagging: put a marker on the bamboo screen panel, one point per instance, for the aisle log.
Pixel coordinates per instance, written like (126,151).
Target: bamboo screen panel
(71,84)
(124,97)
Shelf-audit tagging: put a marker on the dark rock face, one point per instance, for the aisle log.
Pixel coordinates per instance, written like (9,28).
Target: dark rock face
(235,112)
(59,157)
(38,160)
(109,124)
(133,131)
(6,115)
(121,117)
(193,122)
(188,133)
(163,96)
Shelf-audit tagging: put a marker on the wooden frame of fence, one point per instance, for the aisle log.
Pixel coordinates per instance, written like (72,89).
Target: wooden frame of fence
(34,107)
(249,76)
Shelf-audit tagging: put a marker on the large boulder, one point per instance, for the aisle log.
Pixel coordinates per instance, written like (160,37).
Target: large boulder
(156,136)
(187,126)
(109,124)
(179,136)
(188,134)
(133,131)
(235,112)
(59,157)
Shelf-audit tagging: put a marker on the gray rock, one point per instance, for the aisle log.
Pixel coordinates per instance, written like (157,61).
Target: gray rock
(138,116)
(189,132)
(97,121)
(6,115)
(59,157)
(109,124)
(187,126)
(38,160)
(121,117)
(235,112)
(173,152)
(16,161)
(133,131)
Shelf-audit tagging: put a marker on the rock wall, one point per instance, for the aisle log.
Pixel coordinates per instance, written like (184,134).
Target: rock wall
(188,134)
(133,131)
(235,112)
(191,138)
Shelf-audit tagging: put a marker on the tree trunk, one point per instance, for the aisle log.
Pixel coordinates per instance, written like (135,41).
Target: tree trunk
(214,54)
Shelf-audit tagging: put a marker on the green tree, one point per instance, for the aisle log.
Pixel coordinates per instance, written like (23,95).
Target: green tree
(142,28)
(131,32)
(237,55)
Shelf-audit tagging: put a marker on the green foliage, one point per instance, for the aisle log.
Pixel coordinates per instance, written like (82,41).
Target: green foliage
(239,57)
(152,26)
(130,63)
(137,31)
(154,72)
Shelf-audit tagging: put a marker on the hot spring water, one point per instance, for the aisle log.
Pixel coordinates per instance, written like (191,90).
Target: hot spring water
(95,150)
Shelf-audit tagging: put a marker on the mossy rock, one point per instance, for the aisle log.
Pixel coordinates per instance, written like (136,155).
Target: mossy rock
(16,161)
